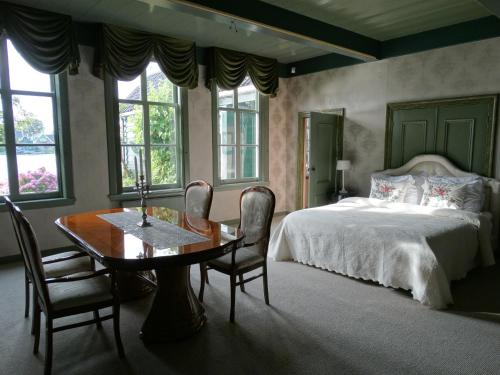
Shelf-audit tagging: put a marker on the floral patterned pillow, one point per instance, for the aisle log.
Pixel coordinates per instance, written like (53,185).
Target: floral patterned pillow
(443,193)
(465,193)
(390,188)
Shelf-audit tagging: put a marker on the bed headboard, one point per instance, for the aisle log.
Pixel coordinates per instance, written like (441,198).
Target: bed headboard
(437,165)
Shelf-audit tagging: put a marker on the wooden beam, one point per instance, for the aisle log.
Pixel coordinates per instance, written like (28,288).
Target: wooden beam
(258,16)
(492,6)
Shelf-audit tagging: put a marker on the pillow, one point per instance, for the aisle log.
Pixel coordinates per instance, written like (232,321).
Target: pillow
(390,188)
(415,190)
(465,193)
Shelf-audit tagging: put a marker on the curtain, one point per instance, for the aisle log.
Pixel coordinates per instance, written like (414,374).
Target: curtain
(125,53)
(228,70)
(46,40)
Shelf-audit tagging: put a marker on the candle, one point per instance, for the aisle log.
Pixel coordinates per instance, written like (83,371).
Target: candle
(135,165)
(140,162)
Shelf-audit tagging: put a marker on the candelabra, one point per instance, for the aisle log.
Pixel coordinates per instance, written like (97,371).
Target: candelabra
(143,189)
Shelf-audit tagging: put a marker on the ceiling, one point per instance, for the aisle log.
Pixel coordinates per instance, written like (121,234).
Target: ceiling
(138,14)
(376,19)
(386,19)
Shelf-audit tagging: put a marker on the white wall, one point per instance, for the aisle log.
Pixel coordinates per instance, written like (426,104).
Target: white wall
(90,159)
(365,89)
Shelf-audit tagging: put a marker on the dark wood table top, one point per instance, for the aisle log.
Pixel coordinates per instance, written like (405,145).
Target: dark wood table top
(114,248)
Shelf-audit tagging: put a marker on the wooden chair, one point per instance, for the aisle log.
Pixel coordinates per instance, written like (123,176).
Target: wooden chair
(256,214)
(197,202)
(57,265)
(65,296)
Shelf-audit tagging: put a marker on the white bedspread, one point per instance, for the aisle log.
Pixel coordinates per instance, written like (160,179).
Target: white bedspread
(396,244)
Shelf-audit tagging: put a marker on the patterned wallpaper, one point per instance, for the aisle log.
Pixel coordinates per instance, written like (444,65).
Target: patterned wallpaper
(364,91)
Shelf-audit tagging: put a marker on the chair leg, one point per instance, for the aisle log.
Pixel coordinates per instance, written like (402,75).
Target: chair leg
(98,318)
(203,277)
(35,311)
(92,264)
(48,346)
(116,329)
(233,296)
(36,326)
(27,295)
(264,278)
(242,286)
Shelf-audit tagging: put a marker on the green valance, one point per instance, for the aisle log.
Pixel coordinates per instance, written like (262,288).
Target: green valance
(44,39)
(228,70)
(125,53)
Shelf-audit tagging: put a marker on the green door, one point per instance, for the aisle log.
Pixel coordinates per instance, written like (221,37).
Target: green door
(323,157)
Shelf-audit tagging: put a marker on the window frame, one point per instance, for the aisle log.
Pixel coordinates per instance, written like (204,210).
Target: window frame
(117,192)
(263,145)
(62,138)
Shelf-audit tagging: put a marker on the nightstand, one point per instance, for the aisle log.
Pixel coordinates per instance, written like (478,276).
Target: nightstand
(338,196)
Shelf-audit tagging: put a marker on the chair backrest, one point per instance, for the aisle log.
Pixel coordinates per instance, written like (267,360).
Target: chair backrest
(256,214)
(29,247)
(12,209)
(198,199)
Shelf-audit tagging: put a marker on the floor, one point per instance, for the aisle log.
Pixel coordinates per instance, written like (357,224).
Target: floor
(318,323)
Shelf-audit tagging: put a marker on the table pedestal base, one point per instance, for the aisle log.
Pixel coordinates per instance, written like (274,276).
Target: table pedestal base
(176,312)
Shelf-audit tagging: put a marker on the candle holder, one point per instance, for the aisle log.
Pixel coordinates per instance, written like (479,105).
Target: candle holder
(143,189)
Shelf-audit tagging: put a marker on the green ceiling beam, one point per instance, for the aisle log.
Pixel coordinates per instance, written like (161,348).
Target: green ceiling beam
(470,31)
(258,16)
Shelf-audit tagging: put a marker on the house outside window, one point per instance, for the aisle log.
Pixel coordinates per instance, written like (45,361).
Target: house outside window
(35,162)
(146,116)
(240,123)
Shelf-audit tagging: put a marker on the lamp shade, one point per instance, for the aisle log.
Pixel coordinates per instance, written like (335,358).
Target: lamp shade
(343,165)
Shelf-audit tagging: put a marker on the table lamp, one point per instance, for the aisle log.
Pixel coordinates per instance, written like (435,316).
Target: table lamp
(343,165)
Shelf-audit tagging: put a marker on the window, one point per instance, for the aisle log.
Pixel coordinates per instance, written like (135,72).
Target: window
(146,118)
(33,163)
(240,135)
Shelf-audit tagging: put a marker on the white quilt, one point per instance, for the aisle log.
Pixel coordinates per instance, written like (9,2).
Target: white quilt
(396,244)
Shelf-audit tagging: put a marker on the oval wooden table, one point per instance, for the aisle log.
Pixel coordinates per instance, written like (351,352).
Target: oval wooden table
(176,312)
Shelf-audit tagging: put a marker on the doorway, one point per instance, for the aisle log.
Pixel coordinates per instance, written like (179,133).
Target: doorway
(320,139)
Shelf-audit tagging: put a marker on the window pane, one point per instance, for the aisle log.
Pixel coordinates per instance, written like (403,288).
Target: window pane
(249,161)
(130,90)
(162,124)
(227,127)
(2,128)
(37,169)
(131,124)
(163,165)
(226,98)
(33,119)
(248,128)
(23,76)
(4,176)
(128,165)
(227,162)
(160,89)
(247,95)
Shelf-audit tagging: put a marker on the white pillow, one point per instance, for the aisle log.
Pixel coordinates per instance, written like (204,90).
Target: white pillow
(465,193)
(390,188)
(415,190)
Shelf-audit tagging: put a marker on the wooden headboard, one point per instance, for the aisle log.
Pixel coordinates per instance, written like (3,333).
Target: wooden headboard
(461,129)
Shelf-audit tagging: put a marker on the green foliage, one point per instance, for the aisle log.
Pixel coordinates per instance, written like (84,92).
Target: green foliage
(162,136)
(27,124)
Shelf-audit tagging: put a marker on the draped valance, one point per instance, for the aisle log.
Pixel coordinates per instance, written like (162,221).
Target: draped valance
(228,70)
(124,54)
(45,40)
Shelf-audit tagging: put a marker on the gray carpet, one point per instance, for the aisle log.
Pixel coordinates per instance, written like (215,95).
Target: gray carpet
(318,323)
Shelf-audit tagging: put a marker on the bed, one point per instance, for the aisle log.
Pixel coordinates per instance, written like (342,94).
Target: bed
(400,245)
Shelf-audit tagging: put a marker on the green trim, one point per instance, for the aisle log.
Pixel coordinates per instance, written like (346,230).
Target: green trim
(132,196)
(263,111)
(62,138)
(470,31)
(17,257)
(41,203)
(114,148)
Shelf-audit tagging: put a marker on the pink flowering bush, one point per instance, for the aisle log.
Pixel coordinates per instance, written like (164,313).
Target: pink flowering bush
(38,181)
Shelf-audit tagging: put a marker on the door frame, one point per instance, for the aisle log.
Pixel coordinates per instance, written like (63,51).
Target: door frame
(300,147)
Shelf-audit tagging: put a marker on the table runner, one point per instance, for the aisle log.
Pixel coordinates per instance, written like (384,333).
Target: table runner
(161,234)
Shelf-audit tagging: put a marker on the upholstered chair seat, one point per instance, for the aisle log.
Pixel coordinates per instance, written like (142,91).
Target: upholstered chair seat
(245,257)
(67,267)
(64,296)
